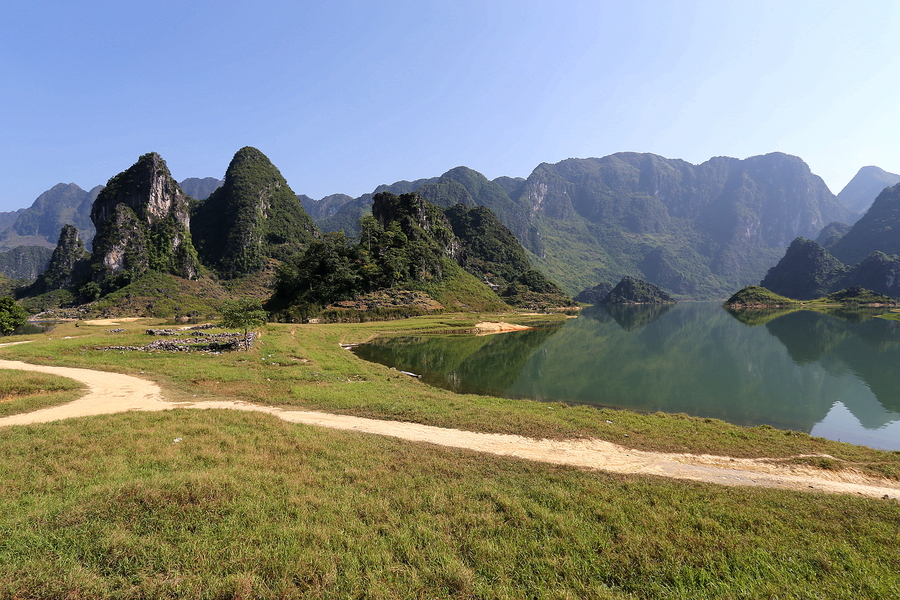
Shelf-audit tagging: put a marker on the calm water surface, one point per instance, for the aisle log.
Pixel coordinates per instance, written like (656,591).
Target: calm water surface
(833,375)
(33,327)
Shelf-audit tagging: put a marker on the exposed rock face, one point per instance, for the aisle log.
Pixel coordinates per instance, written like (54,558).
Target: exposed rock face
(143,222)
(254,216)
(417,219)
(700,230)
(68,265)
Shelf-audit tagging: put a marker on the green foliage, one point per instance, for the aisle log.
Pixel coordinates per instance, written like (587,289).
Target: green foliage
(24,262)
(492,251)
(243,314)
(11,315)
(406,243)
(876,231)
(328,270)
(805,272)
(831,233)
(446,193)
(859,296)
(254,216)
(247,505)
(634,291)
(141,219)
(595,294)
(69,264)
(757,296)
(26,391)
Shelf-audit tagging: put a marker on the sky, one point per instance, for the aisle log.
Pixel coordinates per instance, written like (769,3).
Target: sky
(343,96)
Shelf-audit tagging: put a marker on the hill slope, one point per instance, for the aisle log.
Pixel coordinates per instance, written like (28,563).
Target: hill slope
(700,231)
(254,216)
(865,186)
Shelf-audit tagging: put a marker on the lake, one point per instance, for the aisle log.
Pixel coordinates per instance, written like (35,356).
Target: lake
(831,374)
(33,327)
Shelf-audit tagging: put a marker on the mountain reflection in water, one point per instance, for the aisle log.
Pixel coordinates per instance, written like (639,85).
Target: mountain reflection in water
(833,374)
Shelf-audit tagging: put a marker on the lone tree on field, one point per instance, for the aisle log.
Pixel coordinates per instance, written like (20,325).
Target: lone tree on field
(244,314)
(11,315)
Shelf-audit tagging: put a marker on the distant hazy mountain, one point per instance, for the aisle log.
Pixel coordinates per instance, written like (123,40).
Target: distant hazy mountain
(199,189)
(24,262)
(40,224)
(8,218)
(877,231)
(701,231)
(865,186)
(808,271)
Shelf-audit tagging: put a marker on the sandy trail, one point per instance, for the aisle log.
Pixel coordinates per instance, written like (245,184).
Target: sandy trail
(113,393)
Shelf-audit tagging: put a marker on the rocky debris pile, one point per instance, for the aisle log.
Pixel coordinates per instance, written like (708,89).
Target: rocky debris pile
(59,314)
(390,299)
(119,330)
(202,342)
(181,330)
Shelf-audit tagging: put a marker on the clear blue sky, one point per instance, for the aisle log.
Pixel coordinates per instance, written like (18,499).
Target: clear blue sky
(343,96)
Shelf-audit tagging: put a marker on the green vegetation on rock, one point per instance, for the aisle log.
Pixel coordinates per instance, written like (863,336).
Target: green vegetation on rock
(142,219)
(757,296)
(634,291)
(252,217)
(406,243)
(24,262)
(877,230)
(806,271)
(69,264)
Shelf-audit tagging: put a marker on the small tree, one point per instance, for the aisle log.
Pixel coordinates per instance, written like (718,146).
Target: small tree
(11,315)
(243,314)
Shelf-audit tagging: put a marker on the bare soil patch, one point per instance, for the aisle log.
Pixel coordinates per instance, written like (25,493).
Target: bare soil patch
(492,327)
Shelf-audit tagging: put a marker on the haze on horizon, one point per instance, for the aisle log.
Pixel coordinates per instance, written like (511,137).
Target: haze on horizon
(348,95)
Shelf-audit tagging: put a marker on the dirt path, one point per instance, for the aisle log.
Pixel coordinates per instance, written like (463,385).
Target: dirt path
(112,393)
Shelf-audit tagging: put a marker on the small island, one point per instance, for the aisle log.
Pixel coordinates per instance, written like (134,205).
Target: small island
(631,290)
(754,296)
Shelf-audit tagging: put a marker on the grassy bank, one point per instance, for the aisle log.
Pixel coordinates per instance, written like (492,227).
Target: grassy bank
(305,366)
(23,391)
(246,506)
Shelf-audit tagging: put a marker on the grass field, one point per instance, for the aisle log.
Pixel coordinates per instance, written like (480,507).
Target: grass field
(21,391)
(246,506)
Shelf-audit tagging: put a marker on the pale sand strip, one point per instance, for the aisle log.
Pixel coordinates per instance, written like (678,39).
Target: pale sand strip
(113,393)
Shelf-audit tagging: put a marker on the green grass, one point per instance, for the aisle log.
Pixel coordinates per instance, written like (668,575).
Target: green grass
(246,506)
(303,366)
(754,295)
(24,391)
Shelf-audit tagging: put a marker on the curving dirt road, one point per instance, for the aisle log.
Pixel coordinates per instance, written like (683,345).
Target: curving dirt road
(112,393)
